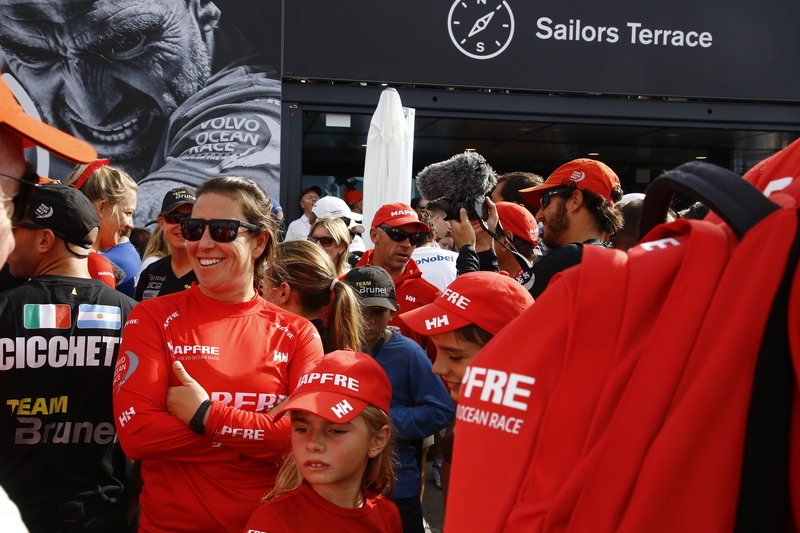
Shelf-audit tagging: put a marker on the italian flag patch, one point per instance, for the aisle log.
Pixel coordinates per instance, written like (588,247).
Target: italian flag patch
(47,316)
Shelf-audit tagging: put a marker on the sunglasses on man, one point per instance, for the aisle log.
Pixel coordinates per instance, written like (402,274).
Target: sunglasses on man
(544,199)
(326,242)
(399,235)
(220,230)
(22,201)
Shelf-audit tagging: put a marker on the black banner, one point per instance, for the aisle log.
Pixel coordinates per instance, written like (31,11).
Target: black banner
(735,49)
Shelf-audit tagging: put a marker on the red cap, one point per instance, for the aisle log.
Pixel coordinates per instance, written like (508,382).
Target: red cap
(339,385)
(487,299)
(352,196)
(398,214)
(582,174)
(37,133)
(518,221)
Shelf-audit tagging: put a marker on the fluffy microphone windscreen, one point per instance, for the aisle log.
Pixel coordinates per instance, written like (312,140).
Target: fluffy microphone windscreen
(462,175)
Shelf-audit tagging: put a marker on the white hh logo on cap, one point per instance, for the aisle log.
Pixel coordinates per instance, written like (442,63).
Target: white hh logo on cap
(577,176)
(342,408)
(437,322)
(43,211)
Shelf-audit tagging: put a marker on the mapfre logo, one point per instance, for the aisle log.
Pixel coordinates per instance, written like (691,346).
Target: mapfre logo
(577,176)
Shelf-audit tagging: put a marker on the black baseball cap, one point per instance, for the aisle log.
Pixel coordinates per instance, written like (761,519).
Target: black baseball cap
(65,211)
(315,188)
(178,197)
(374,285)
(174,199)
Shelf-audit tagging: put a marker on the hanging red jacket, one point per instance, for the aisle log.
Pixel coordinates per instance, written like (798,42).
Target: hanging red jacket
(618,401)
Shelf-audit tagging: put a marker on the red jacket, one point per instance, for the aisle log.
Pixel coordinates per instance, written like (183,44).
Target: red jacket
(626,411)
(248,357)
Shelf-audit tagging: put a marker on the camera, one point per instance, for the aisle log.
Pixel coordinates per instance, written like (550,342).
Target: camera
(475,206)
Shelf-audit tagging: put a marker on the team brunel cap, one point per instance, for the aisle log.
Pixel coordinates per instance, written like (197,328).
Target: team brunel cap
(37,133)
(375,287)
(487,299)
(398,214)
(581,174)
(338,386)
(65,211)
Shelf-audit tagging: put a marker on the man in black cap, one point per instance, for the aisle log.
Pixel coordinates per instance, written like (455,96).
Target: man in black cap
(61,331)
(172,273)
(299,228)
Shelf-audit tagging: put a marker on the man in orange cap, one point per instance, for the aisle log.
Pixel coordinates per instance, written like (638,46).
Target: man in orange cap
(17,182)
(576,207)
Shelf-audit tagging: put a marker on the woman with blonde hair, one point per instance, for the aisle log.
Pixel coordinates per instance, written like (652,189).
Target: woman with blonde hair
(304,282)
(113,194)
(331,234)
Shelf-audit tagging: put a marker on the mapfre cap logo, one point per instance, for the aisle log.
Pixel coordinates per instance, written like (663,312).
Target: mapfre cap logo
(577,176)
(43,211)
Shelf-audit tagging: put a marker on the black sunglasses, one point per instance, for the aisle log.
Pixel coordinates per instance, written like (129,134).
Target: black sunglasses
(174,217)
(544,199)
(399,235)
(222,230)
(326,242)
(22,201)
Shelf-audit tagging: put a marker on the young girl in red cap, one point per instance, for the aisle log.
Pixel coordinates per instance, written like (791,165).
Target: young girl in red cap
(341,459)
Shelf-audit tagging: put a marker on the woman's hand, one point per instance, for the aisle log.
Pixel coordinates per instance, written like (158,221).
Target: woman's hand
(183,400)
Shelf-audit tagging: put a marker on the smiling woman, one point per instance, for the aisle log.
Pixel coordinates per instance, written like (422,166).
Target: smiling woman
(202,367)
(113,194)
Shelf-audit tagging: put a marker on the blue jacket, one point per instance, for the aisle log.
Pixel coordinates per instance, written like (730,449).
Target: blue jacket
(420,406)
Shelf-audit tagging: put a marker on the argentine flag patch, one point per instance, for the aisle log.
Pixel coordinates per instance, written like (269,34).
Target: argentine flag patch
(99,317)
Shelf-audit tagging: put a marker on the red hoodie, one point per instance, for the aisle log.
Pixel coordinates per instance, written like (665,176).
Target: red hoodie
(412,292)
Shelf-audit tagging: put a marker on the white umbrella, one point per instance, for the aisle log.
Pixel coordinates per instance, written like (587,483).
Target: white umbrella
(390,147)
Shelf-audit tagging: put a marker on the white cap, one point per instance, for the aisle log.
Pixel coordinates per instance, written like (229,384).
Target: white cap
(331,206)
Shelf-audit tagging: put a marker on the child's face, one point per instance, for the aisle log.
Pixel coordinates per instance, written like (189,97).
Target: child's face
(375,321)
(332,457)
(453,355)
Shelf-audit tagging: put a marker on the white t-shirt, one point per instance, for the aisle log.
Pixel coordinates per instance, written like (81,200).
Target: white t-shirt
(298,230)
(438,266)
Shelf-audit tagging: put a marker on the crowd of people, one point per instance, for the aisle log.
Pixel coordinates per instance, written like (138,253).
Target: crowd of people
(221,374)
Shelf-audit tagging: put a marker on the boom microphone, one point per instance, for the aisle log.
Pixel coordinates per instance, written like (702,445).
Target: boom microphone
(459,177)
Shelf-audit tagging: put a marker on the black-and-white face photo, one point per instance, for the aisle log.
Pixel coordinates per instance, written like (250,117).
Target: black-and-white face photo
(165,89)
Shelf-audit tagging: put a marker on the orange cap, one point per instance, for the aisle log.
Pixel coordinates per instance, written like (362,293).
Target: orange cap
(587,174)
(38,133)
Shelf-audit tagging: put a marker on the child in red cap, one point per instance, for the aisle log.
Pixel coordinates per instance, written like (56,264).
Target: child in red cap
(470,311)
(341,459)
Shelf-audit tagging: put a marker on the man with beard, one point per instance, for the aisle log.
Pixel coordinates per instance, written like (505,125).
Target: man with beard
(158,86)
(576,208)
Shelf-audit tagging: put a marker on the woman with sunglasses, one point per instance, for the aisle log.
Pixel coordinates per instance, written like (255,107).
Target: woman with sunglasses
(113,194)
(333,236)
(173,272)
(304,282)
(199,370)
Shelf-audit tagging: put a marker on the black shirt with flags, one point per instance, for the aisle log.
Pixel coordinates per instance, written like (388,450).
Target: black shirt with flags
(59,456)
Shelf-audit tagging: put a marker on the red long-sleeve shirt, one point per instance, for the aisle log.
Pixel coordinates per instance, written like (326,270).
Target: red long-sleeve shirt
(248,357)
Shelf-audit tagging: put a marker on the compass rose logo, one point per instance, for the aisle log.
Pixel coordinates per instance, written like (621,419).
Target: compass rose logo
(481,29)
